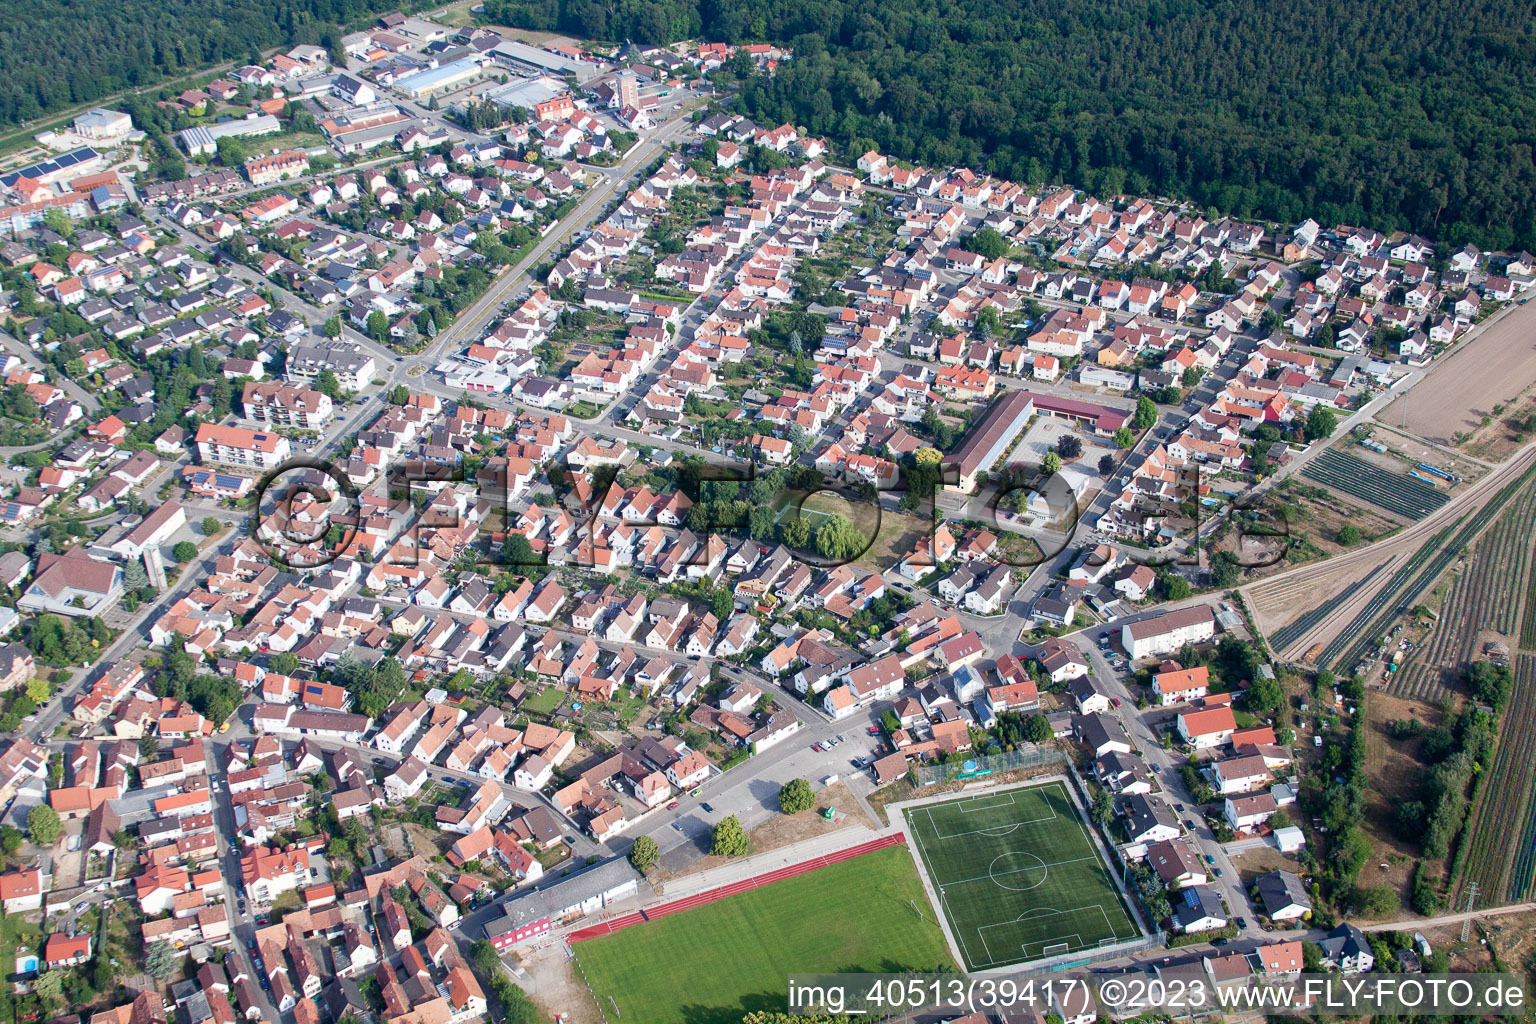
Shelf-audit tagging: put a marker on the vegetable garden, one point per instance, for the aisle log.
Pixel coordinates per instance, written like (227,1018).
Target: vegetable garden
(1401,495)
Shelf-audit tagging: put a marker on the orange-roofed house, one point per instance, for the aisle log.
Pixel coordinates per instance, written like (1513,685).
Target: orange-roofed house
(66,950)
(1280,959)
(22,890)
(464,994)
(108,429)
(1209,727)
(1182,685)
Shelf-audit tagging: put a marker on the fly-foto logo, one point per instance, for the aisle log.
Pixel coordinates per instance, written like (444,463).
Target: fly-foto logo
(308,513)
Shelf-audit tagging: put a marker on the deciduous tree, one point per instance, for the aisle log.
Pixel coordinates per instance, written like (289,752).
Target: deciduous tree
(796,796)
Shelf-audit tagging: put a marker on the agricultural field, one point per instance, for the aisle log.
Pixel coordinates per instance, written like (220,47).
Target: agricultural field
(1501,856)
(1363,618)
(1413,580)
(1405,451)
(715,963)
(1524,866)
(1528,620)
(1396,493)
(1297,628)
(1484,598)
(1450,404)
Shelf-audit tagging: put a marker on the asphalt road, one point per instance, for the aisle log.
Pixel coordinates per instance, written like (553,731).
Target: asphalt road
(1166,764)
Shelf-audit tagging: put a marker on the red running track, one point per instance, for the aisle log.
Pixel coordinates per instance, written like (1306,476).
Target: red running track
(709,896)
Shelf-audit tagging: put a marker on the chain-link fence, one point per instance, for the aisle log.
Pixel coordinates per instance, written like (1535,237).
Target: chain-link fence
(1026,755)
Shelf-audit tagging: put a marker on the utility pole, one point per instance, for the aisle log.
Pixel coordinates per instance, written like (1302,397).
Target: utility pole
(1466,926)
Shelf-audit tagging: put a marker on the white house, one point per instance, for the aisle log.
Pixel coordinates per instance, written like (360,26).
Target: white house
(1166,633)
(1245,813)
(1206,727)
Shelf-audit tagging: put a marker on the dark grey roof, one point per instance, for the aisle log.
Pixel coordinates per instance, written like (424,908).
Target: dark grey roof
(1281,889)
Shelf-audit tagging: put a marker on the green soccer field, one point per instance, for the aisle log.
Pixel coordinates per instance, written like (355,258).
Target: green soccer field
(1018,876)
(715,963)
(813,517)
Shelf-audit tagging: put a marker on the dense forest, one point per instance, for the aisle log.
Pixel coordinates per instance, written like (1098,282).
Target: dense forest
(61,52)
(1396,113)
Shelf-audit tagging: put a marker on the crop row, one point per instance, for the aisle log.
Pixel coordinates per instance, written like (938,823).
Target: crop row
(1399,578)
(1522,719)
(1292,632)
(1431,570)
(1481,598)
(1528,623)
(1502,798)
(1419,677)
(1402,495)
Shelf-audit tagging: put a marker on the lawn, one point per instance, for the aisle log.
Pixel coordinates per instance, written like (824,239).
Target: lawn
(1018,876)
(713,964)
(543,703)
(15,933)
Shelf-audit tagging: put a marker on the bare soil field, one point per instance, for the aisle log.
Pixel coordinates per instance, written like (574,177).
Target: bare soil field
(554,985)
(1493,369)
(1262,860)
(1510,429)
(1514,936)
(530,36)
